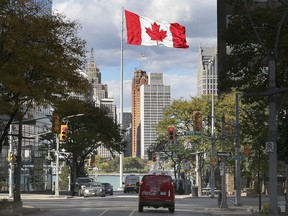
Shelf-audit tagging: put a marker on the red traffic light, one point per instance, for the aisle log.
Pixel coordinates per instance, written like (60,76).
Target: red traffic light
(64,133)
(171,133)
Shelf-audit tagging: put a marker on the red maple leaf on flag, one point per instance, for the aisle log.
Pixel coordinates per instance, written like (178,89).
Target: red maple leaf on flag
(155,33)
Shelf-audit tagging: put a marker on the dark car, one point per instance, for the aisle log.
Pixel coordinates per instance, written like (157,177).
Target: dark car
(108,188)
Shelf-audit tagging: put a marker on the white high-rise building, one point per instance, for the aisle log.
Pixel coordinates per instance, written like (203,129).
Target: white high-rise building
(154,98)
(207,78)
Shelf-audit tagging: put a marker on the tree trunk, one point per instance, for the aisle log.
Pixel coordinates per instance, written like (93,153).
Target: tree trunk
(17,170)
(286,190)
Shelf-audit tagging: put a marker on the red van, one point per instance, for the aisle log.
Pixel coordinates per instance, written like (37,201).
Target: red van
(156,190)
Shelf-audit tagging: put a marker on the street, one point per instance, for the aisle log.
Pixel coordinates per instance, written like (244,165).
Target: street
(112,206)
(127,204)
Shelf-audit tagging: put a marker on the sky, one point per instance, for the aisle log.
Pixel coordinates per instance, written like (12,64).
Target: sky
(101,29)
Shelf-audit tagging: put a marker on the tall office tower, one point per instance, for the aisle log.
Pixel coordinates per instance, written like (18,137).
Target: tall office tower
(126,125)
(99,90)
(140,78)
(207,71)
(154,98)
(100,97)
(109,106)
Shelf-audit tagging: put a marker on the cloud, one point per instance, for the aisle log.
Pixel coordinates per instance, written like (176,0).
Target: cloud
(101,28)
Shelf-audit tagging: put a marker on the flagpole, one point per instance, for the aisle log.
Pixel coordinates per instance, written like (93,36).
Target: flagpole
(121,103)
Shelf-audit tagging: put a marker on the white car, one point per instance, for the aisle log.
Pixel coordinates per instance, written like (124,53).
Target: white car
(94,189)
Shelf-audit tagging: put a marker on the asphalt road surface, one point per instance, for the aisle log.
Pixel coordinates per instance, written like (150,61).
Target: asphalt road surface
(113,206)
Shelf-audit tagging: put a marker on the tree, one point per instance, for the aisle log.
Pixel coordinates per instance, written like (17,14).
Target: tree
(39,59)
(86,133)
(246,66)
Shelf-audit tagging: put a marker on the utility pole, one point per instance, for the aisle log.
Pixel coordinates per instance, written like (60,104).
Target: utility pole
(212,156)
(272,136)
(11,164)
(17,166)
(223,203)
(237,153)
(57,166)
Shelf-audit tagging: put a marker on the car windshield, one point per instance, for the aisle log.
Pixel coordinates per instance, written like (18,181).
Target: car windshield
(94,184)
(84,180)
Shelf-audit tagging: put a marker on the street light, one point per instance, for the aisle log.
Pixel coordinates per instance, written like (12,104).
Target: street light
(212,174)
(57,155)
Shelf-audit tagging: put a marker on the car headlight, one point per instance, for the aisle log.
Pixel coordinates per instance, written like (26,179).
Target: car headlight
(86,191)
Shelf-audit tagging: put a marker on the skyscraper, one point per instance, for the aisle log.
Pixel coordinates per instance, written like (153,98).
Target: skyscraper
(99,95)
(140,78)
(99,90)
(154,98)
(207,78)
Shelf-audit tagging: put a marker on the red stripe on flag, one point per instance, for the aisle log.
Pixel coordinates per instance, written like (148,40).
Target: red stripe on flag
(133,28)
(178,35)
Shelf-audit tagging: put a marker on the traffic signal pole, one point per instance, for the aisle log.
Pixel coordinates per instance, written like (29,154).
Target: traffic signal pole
(237,153)
(11,165)
(273,194)
(223,203)
(57,166)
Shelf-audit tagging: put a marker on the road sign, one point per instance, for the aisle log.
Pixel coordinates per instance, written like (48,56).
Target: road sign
(192,133)
(238,157)
(269,147)
(223,154)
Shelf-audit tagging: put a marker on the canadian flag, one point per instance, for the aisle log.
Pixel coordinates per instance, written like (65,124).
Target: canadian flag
(146,32)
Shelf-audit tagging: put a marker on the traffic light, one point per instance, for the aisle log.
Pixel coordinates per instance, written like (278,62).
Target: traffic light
(154,156)
(246,150)
(11,157)
(64,133)
(171,133)
(56,123)
(197,120)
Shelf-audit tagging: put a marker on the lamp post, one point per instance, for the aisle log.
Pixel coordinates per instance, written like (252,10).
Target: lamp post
(212,173)
(11,165)
(223,203)
(57,154)
(237,152)
(121,102)
(57,166)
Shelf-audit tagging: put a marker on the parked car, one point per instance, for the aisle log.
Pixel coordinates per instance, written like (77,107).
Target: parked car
(94,189)
(157,191)
(131,183)
(108,188)
(80,184)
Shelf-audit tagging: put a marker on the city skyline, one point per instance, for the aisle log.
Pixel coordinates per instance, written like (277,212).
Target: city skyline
(101,28)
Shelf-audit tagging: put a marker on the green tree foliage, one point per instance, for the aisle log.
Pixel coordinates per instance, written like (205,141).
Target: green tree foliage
(257,35)
(86,132)
(64,178)
(131,164)
(39,59)
(252,33)
(180,114)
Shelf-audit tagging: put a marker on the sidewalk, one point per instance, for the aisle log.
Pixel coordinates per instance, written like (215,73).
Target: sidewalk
(39,195)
